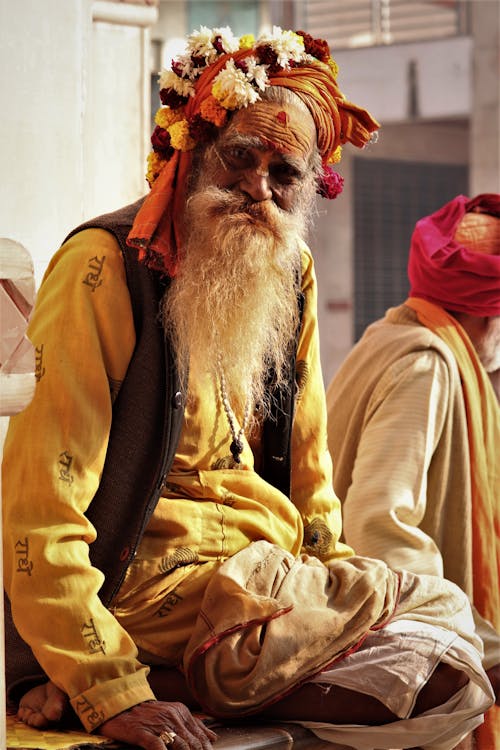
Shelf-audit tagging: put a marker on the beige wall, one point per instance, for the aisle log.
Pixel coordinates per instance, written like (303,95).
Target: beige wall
(75,76)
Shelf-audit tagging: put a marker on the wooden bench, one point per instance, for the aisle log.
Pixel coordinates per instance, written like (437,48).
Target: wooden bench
(279,736)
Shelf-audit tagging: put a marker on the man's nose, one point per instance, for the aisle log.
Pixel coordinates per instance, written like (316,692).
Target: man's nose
(255,183)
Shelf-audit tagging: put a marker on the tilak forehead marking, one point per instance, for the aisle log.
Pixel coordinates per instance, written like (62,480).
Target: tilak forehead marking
(288,128)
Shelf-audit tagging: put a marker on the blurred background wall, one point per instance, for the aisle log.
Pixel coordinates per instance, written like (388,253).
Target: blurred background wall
(79,88)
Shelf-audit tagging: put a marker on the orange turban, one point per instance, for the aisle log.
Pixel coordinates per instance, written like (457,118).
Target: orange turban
(218,75)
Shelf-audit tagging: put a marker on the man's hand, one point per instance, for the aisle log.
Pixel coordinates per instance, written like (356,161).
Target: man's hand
(143,725)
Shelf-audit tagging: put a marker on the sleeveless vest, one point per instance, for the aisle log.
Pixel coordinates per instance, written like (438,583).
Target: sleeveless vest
(150,405)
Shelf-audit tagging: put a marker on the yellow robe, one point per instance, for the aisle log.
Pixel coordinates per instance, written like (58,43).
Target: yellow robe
(54,453)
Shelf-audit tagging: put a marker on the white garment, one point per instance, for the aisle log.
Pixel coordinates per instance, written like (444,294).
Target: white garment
(392,665)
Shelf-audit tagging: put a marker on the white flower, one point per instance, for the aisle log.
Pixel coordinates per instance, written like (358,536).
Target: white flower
(200,44)
(230,43)
(232,88)
(308,59)
(256,73)
(287,45)
(170,80)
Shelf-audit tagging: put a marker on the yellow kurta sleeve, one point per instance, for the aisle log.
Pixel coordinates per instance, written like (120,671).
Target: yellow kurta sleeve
(54,452)
(312,489)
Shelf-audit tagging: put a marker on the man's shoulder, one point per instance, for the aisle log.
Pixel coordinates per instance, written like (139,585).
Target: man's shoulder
(400,328)
(395,341)
(306,264)
(112,221)
(103,236)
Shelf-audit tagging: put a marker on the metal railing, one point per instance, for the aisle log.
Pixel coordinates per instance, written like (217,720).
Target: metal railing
(363,23)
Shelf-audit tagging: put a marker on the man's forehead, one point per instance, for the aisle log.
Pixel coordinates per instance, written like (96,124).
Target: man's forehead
(283,127)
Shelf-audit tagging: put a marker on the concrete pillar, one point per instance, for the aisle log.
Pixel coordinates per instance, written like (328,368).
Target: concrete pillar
(76,76)
(485,111)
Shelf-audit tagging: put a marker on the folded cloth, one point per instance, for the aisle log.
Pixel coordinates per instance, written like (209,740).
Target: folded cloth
(269,622)
(392,665)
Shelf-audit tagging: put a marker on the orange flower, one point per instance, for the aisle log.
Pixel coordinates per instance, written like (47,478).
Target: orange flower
(212,111)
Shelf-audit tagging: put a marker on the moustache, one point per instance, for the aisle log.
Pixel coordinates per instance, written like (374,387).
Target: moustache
(237,208)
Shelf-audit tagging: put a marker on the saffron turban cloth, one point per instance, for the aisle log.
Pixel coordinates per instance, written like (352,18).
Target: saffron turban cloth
(454,256)
(220,74)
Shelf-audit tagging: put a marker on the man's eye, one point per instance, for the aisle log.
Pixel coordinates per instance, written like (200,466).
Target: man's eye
(285,174)
(238,158)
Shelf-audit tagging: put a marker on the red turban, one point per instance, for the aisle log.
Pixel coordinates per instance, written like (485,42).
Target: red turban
(157,230)
(455,256)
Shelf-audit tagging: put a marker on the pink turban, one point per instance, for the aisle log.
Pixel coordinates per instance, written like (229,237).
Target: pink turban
(455,256)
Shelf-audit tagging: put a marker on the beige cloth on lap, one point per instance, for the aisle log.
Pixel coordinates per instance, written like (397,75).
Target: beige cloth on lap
(269,621)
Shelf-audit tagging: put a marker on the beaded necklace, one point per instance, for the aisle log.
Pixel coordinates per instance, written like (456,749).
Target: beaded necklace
(236,446)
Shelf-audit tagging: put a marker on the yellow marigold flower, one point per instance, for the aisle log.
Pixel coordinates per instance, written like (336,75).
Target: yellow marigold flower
(247,41)
(336,156)
(212,111)
(227,99)
(333,66)
(165,117)
(155,165)
(179,136)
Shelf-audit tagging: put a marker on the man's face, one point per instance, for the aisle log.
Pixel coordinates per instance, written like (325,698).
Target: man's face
(265,153)
(484,332)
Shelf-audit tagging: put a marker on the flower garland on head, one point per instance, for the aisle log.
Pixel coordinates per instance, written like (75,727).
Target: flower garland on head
(242,78)
(218,74)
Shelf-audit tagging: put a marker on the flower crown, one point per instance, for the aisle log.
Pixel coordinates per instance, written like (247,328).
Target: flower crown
(238,84)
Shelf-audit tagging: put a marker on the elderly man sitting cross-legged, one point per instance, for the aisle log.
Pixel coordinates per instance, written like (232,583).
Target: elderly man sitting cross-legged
(168,497)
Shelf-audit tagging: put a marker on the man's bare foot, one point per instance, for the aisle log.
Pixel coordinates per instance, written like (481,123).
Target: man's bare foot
(42,706)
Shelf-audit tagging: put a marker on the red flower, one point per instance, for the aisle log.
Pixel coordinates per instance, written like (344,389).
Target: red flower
(242,65)
(176,68)
(201,130)
(160,141)
(330,184)
(172,98)
(218,45)
(267,56)
(198,61)
(318,48)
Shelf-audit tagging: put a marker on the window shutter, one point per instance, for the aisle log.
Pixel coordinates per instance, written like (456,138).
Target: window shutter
(389,198)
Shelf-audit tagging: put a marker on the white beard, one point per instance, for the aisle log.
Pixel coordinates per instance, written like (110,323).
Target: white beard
(233,304)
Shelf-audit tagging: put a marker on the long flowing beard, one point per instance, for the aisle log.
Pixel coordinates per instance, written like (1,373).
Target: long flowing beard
(233,304)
